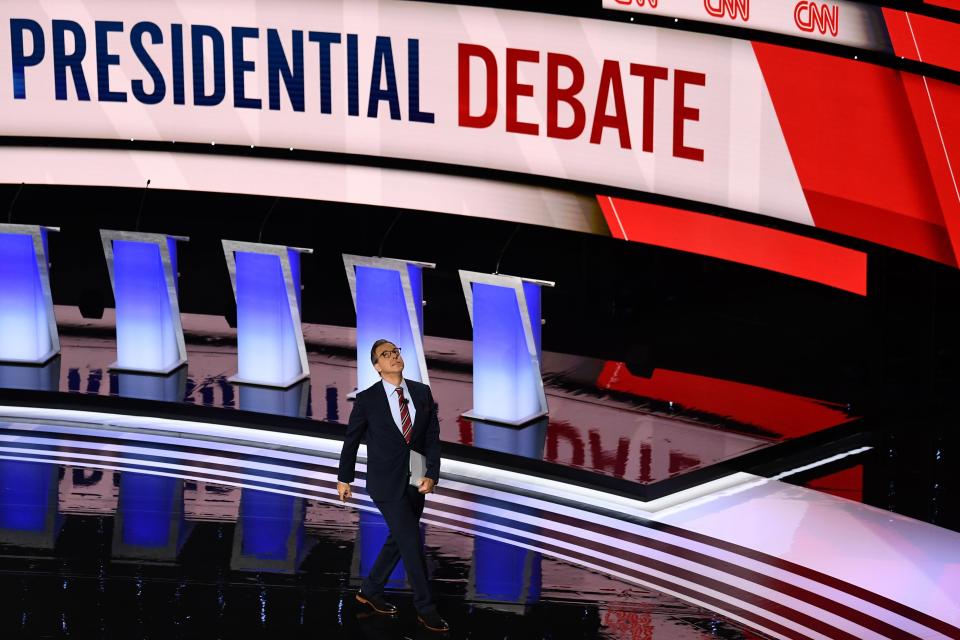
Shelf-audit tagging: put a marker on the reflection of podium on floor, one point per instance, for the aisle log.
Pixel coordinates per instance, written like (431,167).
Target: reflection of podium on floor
(372,533)
(503,576)
(150,523)
(269,535)
(527,441)
(171,387)
(291,401)
(43,377)
(507,576)
(270,531)
(29,353)
(28,504)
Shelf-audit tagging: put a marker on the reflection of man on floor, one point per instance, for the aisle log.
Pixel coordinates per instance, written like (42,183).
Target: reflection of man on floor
(395,416)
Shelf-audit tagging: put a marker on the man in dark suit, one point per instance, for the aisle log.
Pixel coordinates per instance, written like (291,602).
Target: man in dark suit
(395,416)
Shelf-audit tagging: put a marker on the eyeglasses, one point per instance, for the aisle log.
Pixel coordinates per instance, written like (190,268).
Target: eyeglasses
(391,353)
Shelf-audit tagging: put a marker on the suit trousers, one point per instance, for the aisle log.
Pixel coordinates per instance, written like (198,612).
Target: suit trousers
(404,541)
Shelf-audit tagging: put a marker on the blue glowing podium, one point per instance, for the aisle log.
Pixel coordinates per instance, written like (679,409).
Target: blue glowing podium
(266,285)
(28,328)
(388,297)
(143,274)
(505,312)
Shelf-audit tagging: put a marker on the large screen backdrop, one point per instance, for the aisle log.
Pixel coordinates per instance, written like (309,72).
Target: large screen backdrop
(803,137)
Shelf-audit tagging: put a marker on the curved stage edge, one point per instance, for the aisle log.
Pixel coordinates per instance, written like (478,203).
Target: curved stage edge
(787,561)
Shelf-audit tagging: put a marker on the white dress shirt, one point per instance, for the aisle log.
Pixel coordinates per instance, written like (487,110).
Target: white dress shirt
(391,391)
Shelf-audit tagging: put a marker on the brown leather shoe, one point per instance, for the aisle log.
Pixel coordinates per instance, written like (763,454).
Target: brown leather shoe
(377,603)
(433,621)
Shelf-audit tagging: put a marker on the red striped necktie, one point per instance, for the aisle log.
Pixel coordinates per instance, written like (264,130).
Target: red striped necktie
(405,422)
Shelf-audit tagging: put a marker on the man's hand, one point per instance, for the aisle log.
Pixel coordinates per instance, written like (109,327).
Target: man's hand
(343,489)
(426,485)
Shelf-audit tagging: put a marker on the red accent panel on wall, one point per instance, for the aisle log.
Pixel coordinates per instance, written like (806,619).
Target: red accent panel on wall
(736,241)
(936,111)
(881,226)
(850,130)
(923,38)
(935,104)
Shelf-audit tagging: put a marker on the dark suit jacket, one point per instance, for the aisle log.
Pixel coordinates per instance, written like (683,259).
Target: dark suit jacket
(388,454)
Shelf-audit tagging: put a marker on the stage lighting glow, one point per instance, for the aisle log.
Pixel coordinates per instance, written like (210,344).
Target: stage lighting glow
(507,383)
(266,283)
(388,295)
(143,270)
(28,331)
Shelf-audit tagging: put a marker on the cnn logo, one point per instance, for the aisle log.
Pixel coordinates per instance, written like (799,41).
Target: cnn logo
(814,16)
(732,9)
(640,3)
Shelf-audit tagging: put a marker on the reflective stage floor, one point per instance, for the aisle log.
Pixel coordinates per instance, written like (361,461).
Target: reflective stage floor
(132,555)
(184,506)
(120,502)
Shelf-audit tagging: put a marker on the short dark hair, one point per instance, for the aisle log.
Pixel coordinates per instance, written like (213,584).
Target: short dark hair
(373,350)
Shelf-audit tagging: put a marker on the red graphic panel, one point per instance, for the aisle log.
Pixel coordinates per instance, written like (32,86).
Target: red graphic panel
(923,38)
(935,104)
(850,130)
(740,242)
(936,39)
(936,114)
